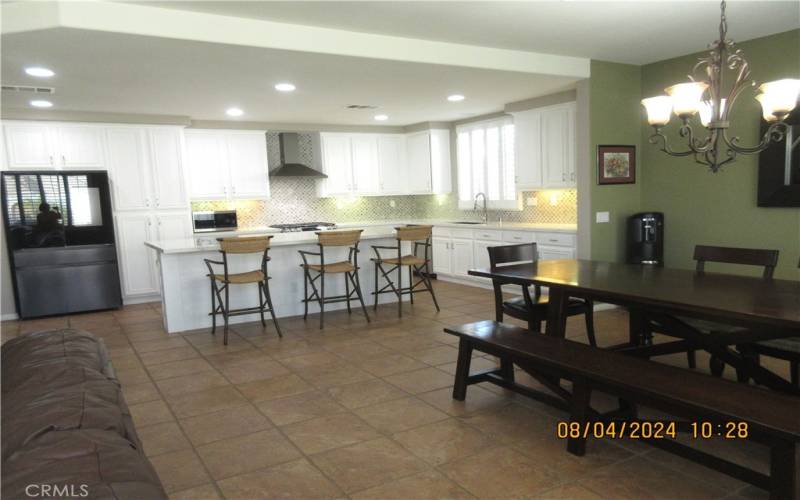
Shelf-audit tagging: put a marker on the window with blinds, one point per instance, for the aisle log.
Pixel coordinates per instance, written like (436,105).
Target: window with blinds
(485,163)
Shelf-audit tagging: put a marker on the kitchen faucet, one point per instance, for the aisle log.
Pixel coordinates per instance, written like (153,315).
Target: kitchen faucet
(485,210)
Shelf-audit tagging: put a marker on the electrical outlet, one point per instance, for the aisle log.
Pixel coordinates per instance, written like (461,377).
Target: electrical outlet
(602,217)
(531,201)
(392,203)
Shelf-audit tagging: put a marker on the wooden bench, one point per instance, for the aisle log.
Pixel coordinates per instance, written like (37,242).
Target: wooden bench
(773,418)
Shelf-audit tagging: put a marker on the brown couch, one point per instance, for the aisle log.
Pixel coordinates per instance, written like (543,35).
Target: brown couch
(66,430)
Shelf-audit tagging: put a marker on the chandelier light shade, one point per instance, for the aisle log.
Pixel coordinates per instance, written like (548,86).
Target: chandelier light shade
(686,97)
(706,97)
(658,109)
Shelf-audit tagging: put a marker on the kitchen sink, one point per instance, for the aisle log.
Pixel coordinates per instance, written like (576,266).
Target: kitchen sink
(467,222)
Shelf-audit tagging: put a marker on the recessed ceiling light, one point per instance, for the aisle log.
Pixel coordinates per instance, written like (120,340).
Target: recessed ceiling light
(285,87)
(455,98)
(40,72)
(234,112)
(381,118)
(41,104)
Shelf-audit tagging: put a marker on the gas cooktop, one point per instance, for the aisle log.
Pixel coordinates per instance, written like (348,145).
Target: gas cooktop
(304,226)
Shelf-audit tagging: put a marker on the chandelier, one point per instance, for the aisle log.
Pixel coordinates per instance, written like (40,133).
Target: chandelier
(705,97)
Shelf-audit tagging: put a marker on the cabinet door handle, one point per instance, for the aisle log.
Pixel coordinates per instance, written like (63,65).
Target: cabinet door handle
(551,240)
(63,160)
(147,202)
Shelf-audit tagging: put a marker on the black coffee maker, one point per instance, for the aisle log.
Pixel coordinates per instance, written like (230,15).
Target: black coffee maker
(645,239)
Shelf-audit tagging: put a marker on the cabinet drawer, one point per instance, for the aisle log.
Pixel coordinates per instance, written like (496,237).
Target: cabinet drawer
(488,235)
(560,239)
(441,231)
(457,232)
(519,236)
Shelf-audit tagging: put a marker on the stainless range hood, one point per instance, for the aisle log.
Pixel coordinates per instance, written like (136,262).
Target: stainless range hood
(290,159)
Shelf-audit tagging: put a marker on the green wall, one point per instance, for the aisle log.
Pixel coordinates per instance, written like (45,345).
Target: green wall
(699,207)
(615,118)
(720,209)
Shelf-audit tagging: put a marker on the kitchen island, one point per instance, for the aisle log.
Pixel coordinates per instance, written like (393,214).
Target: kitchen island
(186,291)
(456,248)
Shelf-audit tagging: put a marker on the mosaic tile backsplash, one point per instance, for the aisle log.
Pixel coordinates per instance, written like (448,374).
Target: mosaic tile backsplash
(295,199)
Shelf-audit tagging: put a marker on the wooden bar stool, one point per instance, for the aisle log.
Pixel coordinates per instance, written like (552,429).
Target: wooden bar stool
(220,283)
(419,236)
(314,273)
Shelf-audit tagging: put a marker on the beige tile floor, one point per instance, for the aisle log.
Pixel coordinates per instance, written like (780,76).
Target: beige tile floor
(365,411)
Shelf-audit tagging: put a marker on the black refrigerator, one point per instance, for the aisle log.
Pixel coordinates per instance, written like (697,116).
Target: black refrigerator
(60,238)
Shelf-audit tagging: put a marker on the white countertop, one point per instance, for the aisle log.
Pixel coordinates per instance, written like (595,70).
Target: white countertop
(206,242)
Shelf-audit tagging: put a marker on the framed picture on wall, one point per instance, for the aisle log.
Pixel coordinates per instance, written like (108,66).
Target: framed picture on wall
(616,164)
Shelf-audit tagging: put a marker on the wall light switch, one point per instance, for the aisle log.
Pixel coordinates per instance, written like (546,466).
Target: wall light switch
(392,203)
(531,201)
(601,217)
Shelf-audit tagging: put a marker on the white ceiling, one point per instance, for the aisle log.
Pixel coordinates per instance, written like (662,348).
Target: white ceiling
(634,32)
(112,72)
(169,72)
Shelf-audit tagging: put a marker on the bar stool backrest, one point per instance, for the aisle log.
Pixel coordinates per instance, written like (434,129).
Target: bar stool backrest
(744,256)
(253,244)
(414,233)
(339,238)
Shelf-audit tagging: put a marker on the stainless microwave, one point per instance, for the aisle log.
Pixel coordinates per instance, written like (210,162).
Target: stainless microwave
(222,220)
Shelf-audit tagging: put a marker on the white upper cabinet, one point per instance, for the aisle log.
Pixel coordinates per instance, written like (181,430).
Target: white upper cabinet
(227,164)
(40,145)
(419,163)
(556,146)
(428,162)
(441,170)
(146,167)
(247,159)
(28,146)
(206,163)
(166,156)
(392,164)
(130,168)
(385,164)
(527,149)
(364,149)
(337,163)
(79,146)
(545,147)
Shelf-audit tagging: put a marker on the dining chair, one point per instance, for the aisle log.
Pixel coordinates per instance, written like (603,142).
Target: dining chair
(767,259)
(418,237)
(787,349)
(222,282)
(314,273)
(532,309)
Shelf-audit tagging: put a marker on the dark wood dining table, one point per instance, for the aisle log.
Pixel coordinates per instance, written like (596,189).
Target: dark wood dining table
(769,309)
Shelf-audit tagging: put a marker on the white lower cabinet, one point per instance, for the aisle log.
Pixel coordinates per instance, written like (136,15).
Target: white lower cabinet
(550,253)
(463,257)
(457,250)
(482,254)
(441,255)
(138,262)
